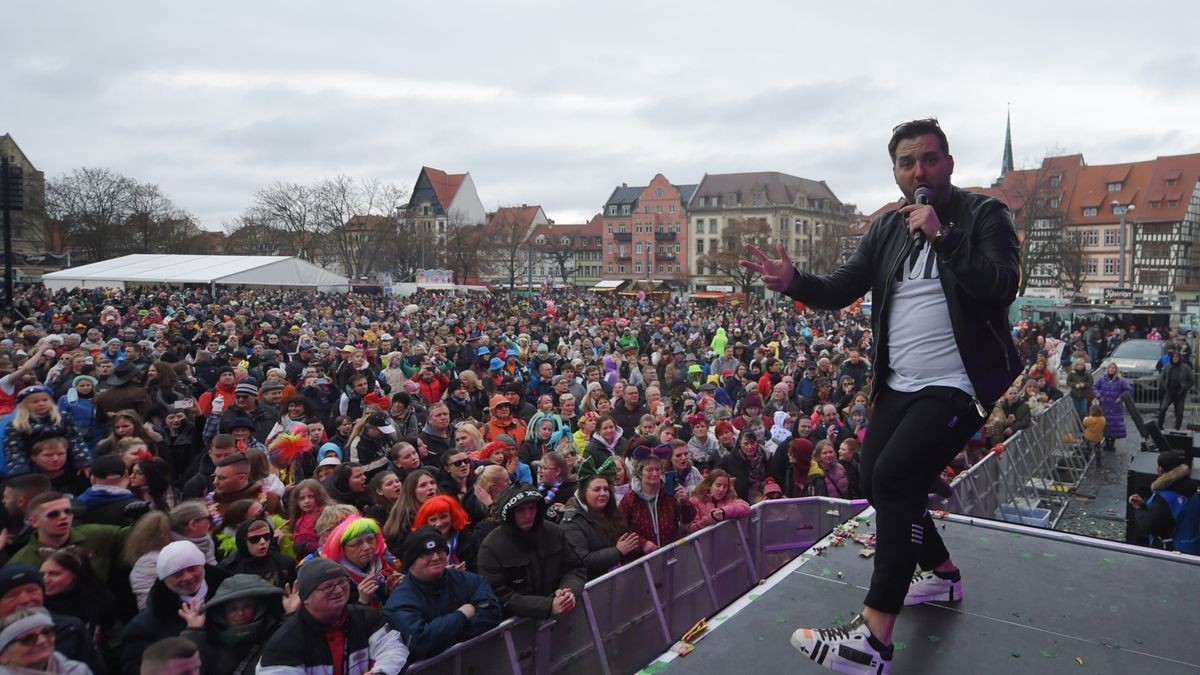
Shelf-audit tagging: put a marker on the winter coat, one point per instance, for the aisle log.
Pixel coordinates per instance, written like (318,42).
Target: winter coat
(301,645)
(599,450)
(236,652)
(738,467)
(127,396)
(589,540)
(426,612)
(103,505)
(18,444)
(732,506)
(526,568)
(1156,518)
(160,619)
(1079,382)
(1108,392)
(275,568)
(82,413)
(660,518)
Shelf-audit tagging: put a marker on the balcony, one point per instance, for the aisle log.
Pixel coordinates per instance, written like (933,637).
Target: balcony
(623,236)
(623,255)
(665,236)
(664,255)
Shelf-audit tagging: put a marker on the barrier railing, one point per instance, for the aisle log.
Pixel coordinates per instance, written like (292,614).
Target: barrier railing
(1031,480)
(1148,395)
(631,615)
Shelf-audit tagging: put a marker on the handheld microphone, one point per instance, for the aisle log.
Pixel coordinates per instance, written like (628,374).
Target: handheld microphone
(922,195)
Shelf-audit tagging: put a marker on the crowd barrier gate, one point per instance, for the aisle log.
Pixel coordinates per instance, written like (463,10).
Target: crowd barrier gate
(1030,482)
(628,617)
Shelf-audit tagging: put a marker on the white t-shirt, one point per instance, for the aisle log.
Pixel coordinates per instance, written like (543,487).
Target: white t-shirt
(921,348)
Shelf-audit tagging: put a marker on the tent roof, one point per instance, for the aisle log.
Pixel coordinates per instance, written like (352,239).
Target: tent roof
(249,270)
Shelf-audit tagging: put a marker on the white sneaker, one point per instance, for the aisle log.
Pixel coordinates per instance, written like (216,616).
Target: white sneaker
(845,649)
(931,587)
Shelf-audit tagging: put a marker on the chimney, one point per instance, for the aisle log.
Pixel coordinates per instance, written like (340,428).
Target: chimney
(624,184)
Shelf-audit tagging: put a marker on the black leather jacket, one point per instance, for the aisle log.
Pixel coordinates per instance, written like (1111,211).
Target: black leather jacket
(978,263)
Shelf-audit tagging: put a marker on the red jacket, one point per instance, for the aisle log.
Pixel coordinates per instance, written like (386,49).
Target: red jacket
(432,390)
(673,517)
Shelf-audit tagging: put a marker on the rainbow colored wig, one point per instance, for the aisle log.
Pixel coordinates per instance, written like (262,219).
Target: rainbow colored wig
(350,529)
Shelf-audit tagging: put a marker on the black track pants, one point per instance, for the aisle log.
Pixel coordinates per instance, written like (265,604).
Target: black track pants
(911,438)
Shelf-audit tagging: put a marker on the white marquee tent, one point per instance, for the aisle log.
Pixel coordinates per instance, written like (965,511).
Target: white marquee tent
(224,270)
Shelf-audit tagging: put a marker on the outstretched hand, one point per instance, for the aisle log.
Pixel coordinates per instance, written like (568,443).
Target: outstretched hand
(777,274)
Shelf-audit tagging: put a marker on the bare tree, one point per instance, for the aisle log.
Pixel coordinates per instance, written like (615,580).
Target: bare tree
(731,249)
(833,248)
(246,236)
(358,216)
(465,249)
(293,211)
(1035,195)
(89,207)
(506,239)
(559,252)
(1072,262)
(152,221)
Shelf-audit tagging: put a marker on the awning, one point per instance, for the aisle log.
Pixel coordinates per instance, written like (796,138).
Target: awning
(608,285)
(708,295)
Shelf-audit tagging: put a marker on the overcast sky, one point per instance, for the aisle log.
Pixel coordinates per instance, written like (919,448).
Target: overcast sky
(556,102)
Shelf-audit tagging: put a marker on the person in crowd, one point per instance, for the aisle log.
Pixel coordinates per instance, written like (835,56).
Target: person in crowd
(50,458)
(437,434)
(258,554)
(458,481)
(715,500)
(491,480)
(405,458)
(1079,384)
(308,500)
(503,421)
(1175,381)
(22,587)
(680,471)
(370,446)
(358,546)
(653,514)
(948,370)
(837,483)
(1108,391)
(328,629)
(172,656)
(443,514)
(437,604)
(36,418)
(124,392)
(607,441)
(203,471)
(79,406)
(594,526)
(127,424)
(704,448)
(18,492)
(383,491)
(150,481)
(52,519)
(106,501)
(231,482)
(1093,428)
(27,645)
(747,465)
(348,485)
(72,589)
(231,628)
(850,459)
(1015,412)
(183,577)
(419,487)
(554,483)
(527,560)
(468,438)
(537,441)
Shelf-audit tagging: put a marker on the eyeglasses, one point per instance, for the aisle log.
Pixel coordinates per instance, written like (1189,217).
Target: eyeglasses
(328,587)
(460,462)
(55,515)
(31,639)
(257,538)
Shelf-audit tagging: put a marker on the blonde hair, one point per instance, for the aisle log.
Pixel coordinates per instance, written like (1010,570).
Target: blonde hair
(476,437)
(331,517)
(488,475)
(22,416)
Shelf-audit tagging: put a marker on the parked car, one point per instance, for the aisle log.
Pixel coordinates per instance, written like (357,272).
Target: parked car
(1138,361)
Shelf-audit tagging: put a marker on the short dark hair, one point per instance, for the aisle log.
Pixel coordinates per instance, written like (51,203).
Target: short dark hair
(29,482)
(43,498)
(915,129)
(234,459)
(158,654)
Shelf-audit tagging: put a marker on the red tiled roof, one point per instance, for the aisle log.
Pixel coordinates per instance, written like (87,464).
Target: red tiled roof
(444,184)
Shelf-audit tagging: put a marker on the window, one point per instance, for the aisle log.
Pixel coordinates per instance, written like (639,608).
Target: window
(658,208)
(731,199)
(699,246)
(803,227)
(1115,187)
(670,208)
(624,209)
(637,248)
(1110,237)
(756,200)
(659,193)
(1055,181)
(425,210)
(1093,237)
(1090,211)
(1089,265)
(565,241)
(712,225)
(610,249)
(541,239)
(1054,202)
(638,268)
(699,224)
(715,200)
(645,209)
(784,223)
(610,268)
(1120,209)
(1110,266)
(660,269)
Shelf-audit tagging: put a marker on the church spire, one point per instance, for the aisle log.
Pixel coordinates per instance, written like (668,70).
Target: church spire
(1007,164)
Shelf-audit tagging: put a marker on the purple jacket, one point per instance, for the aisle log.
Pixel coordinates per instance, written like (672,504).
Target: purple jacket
(1108,392)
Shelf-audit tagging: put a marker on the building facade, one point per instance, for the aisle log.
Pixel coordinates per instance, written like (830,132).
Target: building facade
(812,222)
(644,233)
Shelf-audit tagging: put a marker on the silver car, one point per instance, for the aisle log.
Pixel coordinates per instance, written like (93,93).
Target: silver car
(1138,362)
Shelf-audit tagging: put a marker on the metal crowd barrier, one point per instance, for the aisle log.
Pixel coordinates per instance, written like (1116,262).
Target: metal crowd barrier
(1030,482)
(631,615)
(1147,395)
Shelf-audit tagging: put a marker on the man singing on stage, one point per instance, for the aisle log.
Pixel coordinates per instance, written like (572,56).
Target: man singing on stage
(943,270)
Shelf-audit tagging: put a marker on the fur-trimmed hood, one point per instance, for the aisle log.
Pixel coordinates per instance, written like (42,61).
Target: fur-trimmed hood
(1169,478)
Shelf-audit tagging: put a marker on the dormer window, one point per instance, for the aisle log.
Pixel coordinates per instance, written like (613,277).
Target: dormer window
(1115,187)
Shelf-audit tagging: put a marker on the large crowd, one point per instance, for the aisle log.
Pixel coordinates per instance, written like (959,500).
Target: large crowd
(286,481)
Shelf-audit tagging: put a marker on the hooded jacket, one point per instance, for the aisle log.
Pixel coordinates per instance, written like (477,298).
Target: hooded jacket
(599,449)
(590,541)
(235,650)
(525,568)
(301,645)
(1159,519)
(105,505)
(659,518)
(978,262)
(275,568)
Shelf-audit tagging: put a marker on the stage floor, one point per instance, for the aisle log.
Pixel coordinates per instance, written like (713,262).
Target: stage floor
(1035,602)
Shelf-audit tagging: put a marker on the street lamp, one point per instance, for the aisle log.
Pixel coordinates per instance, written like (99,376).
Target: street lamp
(1121,261)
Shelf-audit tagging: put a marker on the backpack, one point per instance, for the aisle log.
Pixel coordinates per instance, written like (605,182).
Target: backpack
(1186,511)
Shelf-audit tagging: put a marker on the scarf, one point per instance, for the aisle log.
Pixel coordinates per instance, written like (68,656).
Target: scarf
(201,593)
(758,472)
(549,491)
